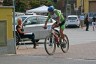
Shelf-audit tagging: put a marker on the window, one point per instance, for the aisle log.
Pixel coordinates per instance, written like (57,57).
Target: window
(23,18)
(42,20)
(31,20)
(72,18)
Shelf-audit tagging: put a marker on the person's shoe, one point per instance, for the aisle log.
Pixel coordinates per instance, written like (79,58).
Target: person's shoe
(87,30)
(34,47)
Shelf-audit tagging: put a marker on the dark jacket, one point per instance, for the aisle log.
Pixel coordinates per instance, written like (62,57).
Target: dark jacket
(86,20)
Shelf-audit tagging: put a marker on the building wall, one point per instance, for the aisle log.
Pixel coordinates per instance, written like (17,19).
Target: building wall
(88,5)
(84,4)
(6,14)
(7,44)
(78,3)
(1,0)
(92,0)
(92,6)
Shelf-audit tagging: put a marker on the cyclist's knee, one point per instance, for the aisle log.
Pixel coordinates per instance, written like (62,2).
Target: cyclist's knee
(61,34)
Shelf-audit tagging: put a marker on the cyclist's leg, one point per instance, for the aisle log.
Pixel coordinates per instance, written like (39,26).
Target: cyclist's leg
(63,40)
(62,32)
(56,36)
(54,26)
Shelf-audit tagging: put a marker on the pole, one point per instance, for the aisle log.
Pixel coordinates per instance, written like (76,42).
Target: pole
(14,22)
(66,7)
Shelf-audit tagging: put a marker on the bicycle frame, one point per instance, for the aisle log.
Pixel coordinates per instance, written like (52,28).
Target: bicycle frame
(56,34)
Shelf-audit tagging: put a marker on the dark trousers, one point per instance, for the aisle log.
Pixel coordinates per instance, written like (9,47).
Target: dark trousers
(87,26)
(30,36)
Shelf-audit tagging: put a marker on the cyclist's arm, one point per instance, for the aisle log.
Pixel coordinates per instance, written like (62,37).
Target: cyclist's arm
(46,22)
(47,19)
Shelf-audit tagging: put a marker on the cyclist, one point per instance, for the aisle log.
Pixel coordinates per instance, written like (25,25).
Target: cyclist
(60,21)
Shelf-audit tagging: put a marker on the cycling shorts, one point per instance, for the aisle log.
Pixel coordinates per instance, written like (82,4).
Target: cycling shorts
(62,25)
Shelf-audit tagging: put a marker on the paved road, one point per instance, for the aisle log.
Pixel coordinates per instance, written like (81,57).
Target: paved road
(82,51)
(79,36)
(77,54)
(28,59)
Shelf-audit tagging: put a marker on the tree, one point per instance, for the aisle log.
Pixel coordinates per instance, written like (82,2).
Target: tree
(20,6)
(23,5)
(7,3)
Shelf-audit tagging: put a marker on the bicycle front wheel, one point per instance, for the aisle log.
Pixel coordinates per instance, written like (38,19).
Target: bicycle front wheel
(65,44)
(50,45)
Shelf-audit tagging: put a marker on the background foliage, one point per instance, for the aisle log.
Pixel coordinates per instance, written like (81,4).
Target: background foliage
(23,5)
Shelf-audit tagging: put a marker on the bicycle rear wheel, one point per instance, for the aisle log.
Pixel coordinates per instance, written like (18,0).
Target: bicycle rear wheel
(50,45)
(65,44)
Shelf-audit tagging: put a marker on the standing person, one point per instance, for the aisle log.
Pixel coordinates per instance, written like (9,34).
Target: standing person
(20,30)
(86,22)
(94,23)
(82,21)
(60,21)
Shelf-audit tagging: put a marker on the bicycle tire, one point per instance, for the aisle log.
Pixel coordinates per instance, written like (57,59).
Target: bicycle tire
(50,39)
(65,47)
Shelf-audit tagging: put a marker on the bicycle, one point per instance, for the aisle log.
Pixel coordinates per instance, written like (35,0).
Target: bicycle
(51,41)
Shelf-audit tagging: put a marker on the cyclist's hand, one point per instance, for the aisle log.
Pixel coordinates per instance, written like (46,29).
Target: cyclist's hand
(45,27)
